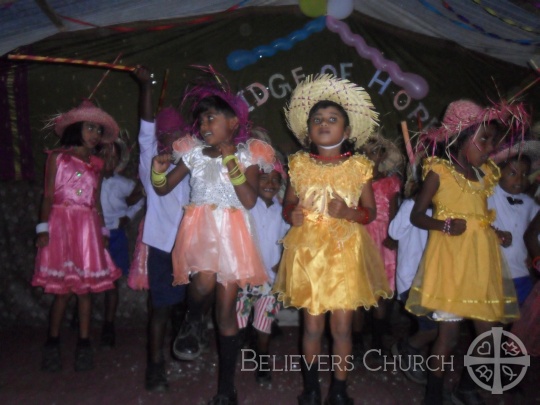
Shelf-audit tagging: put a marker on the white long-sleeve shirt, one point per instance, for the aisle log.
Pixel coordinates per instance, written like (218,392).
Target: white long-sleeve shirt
(411,244)
(514,219)
(114,191)
(163,213)
(270,228)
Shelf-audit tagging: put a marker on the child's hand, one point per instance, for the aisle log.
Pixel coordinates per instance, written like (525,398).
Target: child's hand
(142,75)
(227,148)
(505,238)
(42,239)
(457,226)
(297,216)
(337,207)
(123,222)
(161,163)
(390,243)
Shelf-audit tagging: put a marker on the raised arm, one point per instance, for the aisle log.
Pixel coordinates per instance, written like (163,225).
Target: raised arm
(144,79)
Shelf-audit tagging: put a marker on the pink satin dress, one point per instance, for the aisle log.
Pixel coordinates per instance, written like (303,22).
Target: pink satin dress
(75,260)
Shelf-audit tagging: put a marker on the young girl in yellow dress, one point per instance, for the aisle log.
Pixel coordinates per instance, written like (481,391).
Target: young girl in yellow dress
(329,261)
(461,275)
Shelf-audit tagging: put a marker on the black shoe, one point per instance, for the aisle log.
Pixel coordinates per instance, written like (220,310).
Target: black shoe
(406,355)
(309,398)
(155,379)
(108,336)
(224,399)
(338,399)
(263,377)
(84,358)
(190,341)
(51,360)
(469,397)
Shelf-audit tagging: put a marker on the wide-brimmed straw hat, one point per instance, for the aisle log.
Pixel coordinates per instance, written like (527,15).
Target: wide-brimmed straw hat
(463,114)
(353,98)
(394,161)
(529,148)
(88,112)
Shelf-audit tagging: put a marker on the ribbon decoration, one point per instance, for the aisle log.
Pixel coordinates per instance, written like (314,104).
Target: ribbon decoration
(48,59)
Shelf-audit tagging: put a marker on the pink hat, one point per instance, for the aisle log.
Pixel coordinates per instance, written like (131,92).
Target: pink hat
(87,111)
(460,115)
(168,120)
(463,114)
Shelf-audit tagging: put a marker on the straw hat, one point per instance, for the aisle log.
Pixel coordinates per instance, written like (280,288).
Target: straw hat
(354,99)
(463,114)
(394,160)
(87,111)
(529,148)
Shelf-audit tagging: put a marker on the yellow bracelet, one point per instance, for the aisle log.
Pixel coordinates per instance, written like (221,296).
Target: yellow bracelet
(159,179)
(236,181)
(234,171)
(227,159)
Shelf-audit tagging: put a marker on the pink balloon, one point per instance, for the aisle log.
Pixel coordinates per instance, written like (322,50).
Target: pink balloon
(339,9)
(415,86)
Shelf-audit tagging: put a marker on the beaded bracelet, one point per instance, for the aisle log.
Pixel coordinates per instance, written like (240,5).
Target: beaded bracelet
(536,263)
(228,158)
(159,179)
(42,227)
(447,225)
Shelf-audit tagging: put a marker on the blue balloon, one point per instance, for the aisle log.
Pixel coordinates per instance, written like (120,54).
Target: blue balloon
(241,58)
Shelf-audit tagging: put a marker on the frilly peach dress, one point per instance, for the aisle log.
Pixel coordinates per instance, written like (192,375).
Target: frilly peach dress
(464,275)
(216,234)
(328,263)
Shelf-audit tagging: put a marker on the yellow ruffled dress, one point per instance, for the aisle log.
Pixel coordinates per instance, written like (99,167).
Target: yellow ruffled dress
(329,263)
(464,275)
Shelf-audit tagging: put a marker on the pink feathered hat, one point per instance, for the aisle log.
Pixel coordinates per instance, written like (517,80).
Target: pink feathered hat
(168,121)
(463,114)
(87,111)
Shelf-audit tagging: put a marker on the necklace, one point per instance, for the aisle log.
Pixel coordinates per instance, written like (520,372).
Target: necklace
(314,156)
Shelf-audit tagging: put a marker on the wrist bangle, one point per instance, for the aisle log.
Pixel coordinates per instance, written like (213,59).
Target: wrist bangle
(42,227)
(105,232)
(365,219)
(158,179)
(227,159)
(287,209)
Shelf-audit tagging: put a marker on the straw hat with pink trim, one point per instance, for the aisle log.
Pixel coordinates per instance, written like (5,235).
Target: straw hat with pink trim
(463,114)
(88,112)
(529,148)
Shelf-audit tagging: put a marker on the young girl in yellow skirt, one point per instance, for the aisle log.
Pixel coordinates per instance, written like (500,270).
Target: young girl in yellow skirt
(462,274)
(329,261)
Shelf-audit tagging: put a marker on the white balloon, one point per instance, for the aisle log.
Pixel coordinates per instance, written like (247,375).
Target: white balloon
(339,9)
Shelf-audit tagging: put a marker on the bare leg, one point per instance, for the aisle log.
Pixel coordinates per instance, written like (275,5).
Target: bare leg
(85,312)
(340,326)
(58,310)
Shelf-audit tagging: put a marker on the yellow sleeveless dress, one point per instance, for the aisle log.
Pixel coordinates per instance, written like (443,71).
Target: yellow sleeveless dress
(328,263)
(464,275)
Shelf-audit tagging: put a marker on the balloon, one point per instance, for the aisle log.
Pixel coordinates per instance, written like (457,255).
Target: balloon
(313,8)
(415,85)
(340,9)
(241,58)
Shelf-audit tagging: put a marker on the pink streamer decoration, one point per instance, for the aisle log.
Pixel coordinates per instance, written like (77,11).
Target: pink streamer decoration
(415,86)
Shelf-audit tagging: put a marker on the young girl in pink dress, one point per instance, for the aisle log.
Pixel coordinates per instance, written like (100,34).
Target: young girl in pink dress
(71,257)
(388,161)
